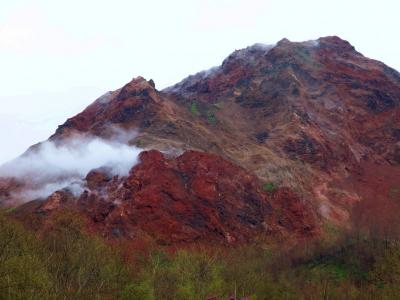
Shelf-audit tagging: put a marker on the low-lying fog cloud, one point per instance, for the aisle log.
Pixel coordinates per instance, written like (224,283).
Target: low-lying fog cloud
(51,167)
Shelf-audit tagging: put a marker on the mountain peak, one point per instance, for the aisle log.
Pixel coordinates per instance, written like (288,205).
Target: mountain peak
(141,82)
(138,85)
(284,41)
(314,117)
(336,43)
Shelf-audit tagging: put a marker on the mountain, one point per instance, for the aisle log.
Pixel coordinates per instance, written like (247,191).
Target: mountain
(277,141)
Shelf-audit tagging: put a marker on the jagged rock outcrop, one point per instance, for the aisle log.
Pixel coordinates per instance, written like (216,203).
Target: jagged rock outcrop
(195,197)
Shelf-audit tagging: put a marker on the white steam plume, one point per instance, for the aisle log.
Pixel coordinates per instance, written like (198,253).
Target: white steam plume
(52,167)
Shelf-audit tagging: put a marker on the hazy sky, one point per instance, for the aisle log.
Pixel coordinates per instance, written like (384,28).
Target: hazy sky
(56,57)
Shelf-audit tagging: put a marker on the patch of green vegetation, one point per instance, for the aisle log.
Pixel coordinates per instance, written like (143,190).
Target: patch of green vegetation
(10,209)
(335,272)
(194,109)
(270,187)
(209,114)
(65,262)
(139,143)
(211,118)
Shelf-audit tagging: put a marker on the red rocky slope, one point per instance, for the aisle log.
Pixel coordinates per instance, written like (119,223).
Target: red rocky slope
(316,118)
(194,197)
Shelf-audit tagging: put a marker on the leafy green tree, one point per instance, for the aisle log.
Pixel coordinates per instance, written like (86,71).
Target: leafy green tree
(22,273)
(82,265)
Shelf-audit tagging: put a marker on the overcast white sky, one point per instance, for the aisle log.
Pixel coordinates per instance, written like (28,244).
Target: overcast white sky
(56,57)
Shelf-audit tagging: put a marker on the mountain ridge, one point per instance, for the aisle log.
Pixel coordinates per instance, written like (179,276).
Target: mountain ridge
(315,118)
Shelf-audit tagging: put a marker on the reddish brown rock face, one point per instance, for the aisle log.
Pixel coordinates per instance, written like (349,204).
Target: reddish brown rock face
(9,186)
(194,197)
(305,115)
(317,119)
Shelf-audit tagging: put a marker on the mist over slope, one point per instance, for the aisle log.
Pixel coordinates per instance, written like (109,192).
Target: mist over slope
(49,166)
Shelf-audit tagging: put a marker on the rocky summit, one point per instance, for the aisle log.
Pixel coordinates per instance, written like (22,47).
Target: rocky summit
(275,142)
